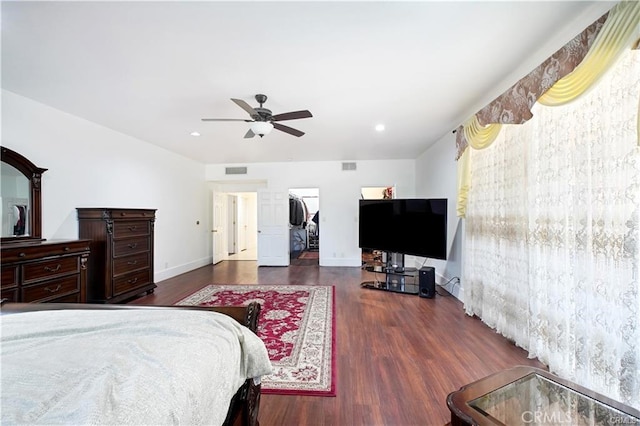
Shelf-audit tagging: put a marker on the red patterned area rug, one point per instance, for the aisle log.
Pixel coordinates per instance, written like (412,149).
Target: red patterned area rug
(296,323)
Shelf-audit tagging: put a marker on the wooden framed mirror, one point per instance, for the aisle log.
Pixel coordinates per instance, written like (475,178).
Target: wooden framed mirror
(20,199)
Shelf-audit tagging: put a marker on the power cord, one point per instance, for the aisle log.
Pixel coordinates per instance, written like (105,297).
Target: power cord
(457,279)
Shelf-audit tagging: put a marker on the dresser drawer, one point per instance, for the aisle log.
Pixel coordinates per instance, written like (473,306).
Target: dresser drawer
(97,213)
(132,228)
(21,253)
(131,281)
(37,271)
(135,262)
(9,277)
(11,295)
(130,246)
(51,289)
(132,213)
(71,298)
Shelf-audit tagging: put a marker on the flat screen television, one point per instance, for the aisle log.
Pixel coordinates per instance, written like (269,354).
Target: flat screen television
(408,226)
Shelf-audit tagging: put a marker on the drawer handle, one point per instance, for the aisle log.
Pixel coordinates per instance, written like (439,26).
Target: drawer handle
(132,262)
(133,281)
(58,287)
(22,254)
(50,269)
(132,246)
(66,249)
(133,228)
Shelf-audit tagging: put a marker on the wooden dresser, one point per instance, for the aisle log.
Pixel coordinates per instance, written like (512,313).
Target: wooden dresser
(121,262)
(45,271)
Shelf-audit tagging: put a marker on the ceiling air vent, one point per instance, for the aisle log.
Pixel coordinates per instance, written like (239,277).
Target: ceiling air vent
(235,171)
(348,166)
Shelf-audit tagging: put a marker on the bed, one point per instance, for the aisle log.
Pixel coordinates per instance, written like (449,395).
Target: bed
(118,364)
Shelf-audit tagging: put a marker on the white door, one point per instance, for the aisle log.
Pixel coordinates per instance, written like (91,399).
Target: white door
(273,228)
(218,232)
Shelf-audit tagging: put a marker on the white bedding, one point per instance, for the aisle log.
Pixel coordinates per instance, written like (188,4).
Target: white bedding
(136,367)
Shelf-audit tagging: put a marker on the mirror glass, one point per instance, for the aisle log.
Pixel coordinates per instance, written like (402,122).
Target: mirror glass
(15,203)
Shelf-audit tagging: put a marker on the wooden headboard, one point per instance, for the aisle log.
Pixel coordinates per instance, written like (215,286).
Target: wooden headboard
(245,315)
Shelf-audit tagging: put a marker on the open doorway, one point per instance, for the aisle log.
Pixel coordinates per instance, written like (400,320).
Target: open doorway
(242,226)
(261,211)
(304,226)
(370,256)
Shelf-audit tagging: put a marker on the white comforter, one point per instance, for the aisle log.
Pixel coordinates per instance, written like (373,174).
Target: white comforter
(137,367)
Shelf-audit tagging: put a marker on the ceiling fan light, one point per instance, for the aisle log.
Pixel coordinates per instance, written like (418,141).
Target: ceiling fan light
(261,128)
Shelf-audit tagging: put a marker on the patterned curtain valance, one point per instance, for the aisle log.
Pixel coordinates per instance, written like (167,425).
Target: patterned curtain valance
(614,38)
(565,76)
(514,105)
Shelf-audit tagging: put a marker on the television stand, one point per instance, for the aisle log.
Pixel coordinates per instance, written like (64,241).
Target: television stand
(398,282)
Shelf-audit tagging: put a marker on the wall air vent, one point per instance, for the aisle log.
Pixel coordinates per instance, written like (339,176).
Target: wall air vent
(235,170)
(348,166)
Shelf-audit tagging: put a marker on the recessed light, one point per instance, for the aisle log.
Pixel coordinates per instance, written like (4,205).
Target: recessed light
(379,127)
(195,134)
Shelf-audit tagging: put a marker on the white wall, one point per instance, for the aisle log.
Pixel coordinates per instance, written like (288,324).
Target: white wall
(93,166)
(339,195)
(436,178)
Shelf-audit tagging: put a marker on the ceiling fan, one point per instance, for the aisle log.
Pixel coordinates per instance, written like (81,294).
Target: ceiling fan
(262,120)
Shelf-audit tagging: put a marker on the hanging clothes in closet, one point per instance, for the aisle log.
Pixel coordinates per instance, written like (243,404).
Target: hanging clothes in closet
(297,223)
(297,213)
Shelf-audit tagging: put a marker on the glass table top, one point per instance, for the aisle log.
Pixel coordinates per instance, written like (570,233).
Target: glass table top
(536,400)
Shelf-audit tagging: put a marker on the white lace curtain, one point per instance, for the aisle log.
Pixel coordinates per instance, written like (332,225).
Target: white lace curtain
(552,244)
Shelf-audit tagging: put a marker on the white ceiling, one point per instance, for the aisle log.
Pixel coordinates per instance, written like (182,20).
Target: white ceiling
(152,70)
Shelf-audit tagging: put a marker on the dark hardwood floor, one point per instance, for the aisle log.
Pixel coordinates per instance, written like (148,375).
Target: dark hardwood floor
(398,356)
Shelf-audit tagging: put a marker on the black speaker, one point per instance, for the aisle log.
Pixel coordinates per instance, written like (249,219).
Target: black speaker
(427,282)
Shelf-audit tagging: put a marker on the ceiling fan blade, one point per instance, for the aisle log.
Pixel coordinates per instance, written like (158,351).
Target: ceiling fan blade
(226,119)
(249,134)
(294,115)
(287,129)
(245,106)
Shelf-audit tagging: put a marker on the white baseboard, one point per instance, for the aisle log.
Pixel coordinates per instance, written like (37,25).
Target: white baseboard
(181,269)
